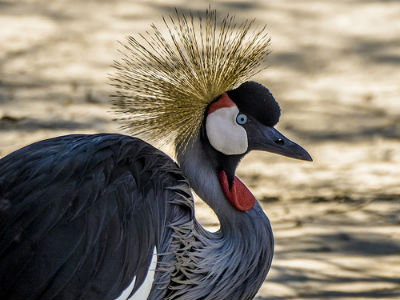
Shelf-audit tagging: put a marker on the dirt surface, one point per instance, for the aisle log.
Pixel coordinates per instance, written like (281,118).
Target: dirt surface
(334,68)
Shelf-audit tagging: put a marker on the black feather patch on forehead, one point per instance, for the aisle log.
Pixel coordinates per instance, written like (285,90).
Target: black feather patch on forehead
(256,100)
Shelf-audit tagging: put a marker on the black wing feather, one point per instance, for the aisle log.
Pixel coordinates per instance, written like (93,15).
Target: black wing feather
(80,216)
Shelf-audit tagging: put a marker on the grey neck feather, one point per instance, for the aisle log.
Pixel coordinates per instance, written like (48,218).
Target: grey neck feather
(233,262)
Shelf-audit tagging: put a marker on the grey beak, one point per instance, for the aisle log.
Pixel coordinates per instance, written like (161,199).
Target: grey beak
(271,140)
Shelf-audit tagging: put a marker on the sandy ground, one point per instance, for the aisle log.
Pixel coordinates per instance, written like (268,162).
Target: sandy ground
(334,70)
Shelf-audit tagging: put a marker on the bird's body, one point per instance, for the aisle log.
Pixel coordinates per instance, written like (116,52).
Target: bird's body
(116,195)
(109,216)
(87,197)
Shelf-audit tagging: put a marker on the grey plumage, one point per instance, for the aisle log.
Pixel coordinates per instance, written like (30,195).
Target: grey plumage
(76,200)
(231,263)
(82,187)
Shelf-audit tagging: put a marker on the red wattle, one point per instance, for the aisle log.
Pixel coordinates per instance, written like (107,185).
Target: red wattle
(239,195)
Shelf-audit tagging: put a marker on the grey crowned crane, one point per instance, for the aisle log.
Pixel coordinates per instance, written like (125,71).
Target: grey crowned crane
(109,216)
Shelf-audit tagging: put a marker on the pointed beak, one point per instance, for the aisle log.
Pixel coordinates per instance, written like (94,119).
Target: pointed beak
(271,140)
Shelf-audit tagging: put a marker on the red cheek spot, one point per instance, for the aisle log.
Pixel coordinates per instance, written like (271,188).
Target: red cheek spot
(223,101)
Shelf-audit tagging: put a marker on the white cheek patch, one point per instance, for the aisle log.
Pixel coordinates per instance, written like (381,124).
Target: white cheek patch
(224,134)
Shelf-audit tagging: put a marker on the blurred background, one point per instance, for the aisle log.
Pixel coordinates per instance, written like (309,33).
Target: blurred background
(334,68)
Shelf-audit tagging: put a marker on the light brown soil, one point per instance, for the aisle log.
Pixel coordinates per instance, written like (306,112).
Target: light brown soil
(334,68)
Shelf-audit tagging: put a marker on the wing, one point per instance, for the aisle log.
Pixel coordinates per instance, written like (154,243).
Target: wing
(80,216)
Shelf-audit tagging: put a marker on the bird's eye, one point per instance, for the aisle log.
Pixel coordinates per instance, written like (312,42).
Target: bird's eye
(241,119)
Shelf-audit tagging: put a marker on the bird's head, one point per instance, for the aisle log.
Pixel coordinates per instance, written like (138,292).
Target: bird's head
(189,81)
(243,119)
(237,122)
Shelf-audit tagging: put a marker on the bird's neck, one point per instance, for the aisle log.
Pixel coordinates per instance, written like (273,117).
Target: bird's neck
(240,253)
(201,169)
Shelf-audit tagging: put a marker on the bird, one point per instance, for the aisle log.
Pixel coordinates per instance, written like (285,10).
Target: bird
(112,216)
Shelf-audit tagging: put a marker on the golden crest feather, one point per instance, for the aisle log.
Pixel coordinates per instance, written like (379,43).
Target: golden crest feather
(164,82)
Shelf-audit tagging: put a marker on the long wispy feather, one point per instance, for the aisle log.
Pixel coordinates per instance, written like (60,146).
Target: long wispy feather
(164,82)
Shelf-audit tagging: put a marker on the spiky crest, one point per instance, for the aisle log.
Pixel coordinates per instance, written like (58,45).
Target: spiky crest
(165,81)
